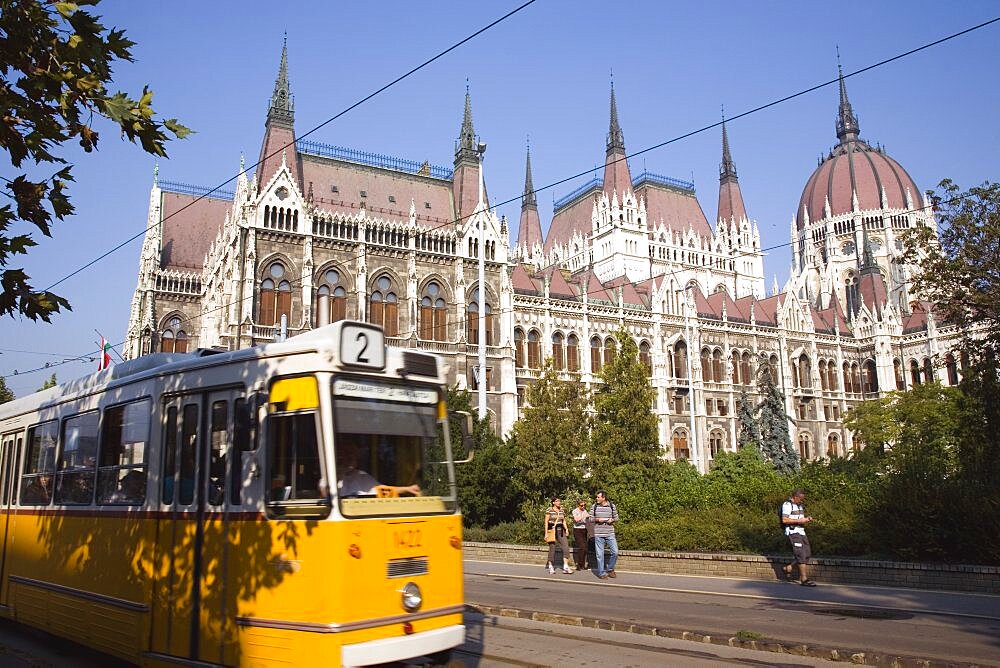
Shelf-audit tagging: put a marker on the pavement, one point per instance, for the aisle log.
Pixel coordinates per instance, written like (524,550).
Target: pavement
(861,624)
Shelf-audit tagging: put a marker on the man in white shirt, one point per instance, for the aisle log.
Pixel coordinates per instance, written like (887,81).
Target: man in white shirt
(794,519)
(352,481)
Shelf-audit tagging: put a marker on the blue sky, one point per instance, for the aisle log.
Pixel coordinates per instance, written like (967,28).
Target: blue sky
(545,73)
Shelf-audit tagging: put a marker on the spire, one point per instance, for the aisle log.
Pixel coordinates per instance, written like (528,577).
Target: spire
(616,140)
(467,144)
(731,206)
(847,123)
(281,109)
(617,178)
(528,199)
(727,170)
(529,231)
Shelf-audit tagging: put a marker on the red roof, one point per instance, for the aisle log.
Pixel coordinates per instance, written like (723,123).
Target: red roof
(189,227)
(558,287)
(852,166)
(677,210)
(731,205)
(523,282)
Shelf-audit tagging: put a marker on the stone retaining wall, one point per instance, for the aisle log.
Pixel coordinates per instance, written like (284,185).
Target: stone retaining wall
(979,579)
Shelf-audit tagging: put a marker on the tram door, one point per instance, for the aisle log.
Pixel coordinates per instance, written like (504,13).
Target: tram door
(193,606)
(10,448)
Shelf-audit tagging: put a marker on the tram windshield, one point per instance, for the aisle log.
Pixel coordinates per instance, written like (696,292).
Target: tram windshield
(391,454)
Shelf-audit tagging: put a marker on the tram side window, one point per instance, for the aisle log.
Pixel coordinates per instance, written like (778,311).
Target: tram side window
(293,457)
(121,474)
(39,465)
(219,440)
(169,455)
(78,460)
(243,441)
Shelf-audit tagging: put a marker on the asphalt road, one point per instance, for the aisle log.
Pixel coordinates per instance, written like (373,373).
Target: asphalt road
(945,626)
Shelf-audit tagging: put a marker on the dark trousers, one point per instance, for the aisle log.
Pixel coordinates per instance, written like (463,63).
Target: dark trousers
(580,548)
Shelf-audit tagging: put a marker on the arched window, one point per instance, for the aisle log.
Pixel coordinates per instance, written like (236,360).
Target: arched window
(952,366)
(595,354)
(706,365)
(855,377)
(572,353)
(847,377)
(644,358)
(805,372)
(914,372)
(472,324)
(718,374)
(805,439)
(833,445)
(433,314)
(173,339)
(870,377)
(680,360)
(822,375)
(680,443)
(558,352)
(534,350)
(736,367)
(519,347)
(610,350)
(897,369)
(383,308)
(331,299)
(275,297)
(831,372)
(773,369)
(928,370)
(716,442)
(745,372)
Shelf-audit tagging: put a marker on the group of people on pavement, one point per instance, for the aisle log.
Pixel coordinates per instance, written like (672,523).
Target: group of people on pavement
(598,524)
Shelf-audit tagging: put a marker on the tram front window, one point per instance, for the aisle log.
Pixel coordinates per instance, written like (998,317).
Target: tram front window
(391,458)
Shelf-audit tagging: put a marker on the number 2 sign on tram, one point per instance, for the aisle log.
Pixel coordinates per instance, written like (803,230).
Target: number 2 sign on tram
(362,345)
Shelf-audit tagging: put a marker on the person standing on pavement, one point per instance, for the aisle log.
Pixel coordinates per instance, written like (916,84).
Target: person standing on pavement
(580,519)
(794,519)
(555,532)
(604,516)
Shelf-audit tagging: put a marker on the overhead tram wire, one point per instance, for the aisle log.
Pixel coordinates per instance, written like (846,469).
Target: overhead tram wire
(579,174)
(303,136)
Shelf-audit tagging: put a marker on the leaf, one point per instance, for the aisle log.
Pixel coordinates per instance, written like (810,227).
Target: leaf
(179,130)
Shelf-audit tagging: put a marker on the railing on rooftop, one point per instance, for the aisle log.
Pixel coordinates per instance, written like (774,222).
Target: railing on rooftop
(596,182)
(373,159)
(659,179)
(195,191)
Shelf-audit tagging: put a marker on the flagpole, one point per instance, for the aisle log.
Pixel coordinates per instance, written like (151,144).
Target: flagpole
(117,354)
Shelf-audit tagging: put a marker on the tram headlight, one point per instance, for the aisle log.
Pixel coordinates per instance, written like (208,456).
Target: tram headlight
(412,598)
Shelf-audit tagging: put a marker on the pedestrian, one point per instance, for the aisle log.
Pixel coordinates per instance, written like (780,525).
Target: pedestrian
(555,532)
(794,519)
(604,516)
(581,518)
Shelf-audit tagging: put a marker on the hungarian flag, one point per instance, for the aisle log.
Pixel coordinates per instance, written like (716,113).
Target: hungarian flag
(105,355)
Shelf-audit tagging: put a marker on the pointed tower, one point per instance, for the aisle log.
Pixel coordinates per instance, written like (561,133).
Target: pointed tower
(279,128)
(617,178)
(731,207)
(465,186)
(847,123)
(529,230)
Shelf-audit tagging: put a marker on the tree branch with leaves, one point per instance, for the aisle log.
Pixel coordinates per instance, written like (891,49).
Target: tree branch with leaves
(55,67)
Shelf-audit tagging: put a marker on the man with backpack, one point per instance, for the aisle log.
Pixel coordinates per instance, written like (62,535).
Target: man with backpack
(793,521)
(604,515)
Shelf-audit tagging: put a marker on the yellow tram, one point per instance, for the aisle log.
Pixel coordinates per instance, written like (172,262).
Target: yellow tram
(289,504)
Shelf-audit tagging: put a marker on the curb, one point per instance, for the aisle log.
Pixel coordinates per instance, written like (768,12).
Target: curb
(858,657)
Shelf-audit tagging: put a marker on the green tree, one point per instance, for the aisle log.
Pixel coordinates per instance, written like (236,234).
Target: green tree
(485,494)
(772,421)
(55,67)
(50,382)
(551,437)
(749,429)
(6,394)
(626,431)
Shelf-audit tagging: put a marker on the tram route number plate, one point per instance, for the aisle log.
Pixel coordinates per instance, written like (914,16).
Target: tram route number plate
(405,537)
(361,345)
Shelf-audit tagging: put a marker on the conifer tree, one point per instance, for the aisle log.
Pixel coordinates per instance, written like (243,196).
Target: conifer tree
(6,394)
(626,430)
(749,429)
(772,422)
(551,437)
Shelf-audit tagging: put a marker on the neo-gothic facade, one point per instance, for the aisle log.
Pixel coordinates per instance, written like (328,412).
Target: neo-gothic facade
(321,233)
